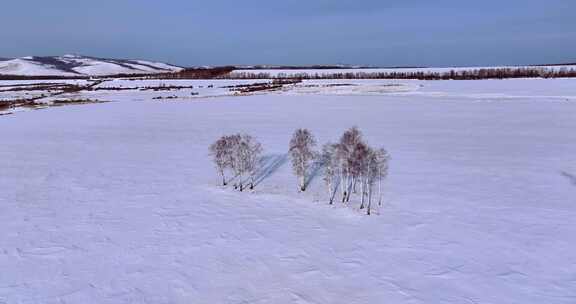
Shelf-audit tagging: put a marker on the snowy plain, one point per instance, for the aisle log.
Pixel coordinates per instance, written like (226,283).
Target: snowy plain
(119,202)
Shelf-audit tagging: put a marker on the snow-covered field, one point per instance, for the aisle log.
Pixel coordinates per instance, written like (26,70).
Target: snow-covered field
(8,92)
(118,202)
(192,90)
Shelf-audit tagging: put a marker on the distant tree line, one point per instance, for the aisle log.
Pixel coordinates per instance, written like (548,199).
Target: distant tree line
(472,74)
(196,73)
(191,73)
(227,72)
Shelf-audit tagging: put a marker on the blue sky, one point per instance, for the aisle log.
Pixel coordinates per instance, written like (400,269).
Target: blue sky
(367,32)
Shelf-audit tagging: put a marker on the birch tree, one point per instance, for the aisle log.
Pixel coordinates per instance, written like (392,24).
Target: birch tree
(330,162)
(383,159)
(377,169)
(359,167)
(221,152)
(246,154)
(253,152)
(348,142)
(235,160)
(240,154)
(302,153)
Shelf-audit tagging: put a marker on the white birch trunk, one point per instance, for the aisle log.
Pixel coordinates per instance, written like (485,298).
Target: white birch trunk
(362,194)
(330,190)
(380,188)
(344,188)
(349,190)
(241,182)
(223,178)
(369,200)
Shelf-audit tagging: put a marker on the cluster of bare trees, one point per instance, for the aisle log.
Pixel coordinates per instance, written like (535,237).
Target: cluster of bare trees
(355,167)
(237,156)
(351,164)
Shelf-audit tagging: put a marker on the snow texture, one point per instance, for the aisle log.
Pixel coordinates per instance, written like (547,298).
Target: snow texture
(119,202)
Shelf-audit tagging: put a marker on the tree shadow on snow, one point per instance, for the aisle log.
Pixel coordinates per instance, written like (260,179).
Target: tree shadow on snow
(571,177)
(335,191)
(268,165)
(314,170)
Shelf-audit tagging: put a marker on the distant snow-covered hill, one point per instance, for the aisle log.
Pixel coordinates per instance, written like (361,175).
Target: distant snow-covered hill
(74,65)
